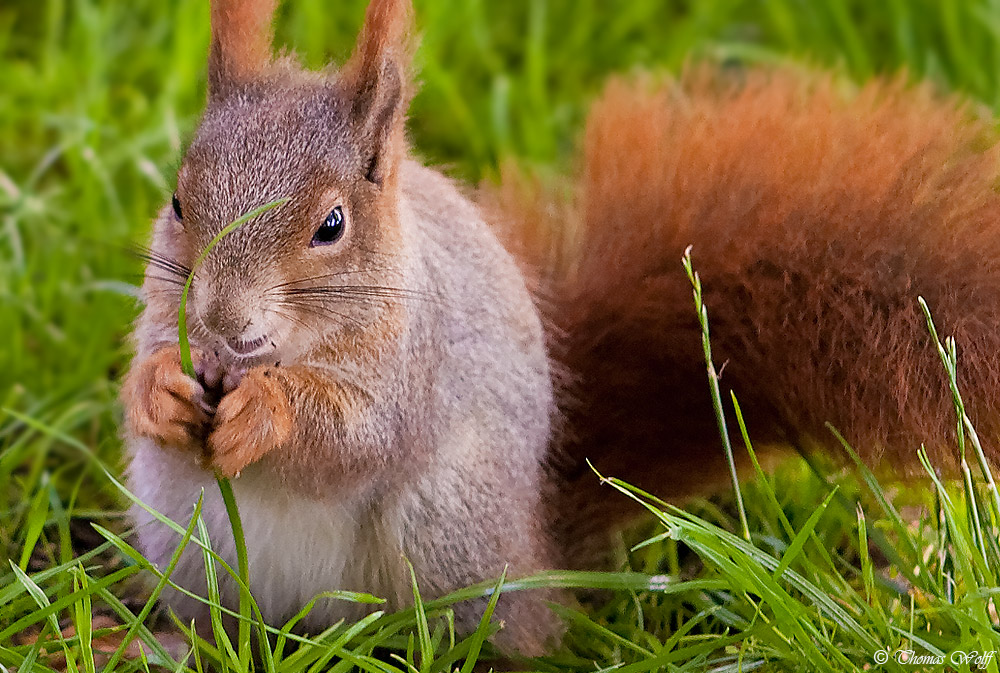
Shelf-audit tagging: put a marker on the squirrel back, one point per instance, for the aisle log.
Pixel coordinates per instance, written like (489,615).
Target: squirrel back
(817,215)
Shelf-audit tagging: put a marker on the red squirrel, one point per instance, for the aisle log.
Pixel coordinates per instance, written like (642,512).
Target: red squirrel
(384,361)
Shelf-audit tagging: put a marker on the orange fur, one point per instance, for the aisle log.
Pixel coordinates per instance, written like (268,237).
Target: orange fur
(242,33)
(817,214)
(251,421)
(164,402)
(379,73)
(385,35)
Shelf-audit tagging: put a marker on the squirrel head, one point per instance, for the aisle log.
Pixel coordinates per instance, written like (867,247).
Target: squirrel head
(330,142)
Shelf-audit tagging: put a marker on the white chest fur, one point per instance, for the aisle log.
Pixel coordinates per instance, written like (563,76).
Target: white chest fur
(297,547)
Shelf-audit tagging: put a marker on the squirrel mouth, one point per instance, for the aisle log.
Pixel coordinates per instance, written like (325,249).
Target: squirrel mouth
(249,347)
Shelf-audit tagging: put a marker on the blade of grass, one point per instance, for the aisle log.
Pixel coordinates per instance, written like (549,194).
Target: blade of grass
(83,620)
(243,564)
(222,641)
(713,380)
(225,488)
(186,363)
(49,610)
(158,589)
(426,649)
(42,601)
(482,632)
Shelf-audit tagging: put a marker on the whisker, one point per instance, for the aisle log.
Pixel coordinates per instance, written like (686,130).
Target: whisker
(160,261)
(359,293)
(145,252)
(318,300)
(320,310)
(293,319)
(328,275)
(157,264)
(172,281)
(364,290)
(166,295)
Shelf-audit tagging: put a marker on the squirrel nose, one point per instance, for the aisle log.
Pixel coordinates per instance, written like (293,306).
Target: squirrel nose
(241,333)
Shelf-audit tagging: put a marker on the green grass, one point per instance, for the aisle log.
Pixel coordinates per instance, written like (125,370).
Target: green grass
(96,100)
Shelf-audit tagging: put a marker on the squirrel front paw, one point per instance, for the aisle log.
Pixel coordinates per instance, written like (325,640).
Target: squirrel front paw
(165,404)
(252,420)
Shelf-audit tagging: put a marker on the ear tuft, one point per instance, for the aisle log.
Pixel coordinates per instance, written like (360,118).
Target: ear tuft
(385,35)
(378,78)
(242,33)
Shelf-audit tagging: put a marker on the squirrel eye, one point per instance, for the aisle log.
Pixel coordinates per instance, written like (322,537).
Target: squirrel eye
(176,203)
(331,230)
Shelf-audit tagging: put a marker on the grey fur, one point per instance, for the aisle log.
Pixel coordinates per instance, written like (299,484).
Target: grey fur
(440,456)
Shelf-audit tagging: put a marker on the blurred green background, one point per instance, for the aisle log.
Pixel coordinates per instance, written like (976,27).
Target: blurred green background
(97,99)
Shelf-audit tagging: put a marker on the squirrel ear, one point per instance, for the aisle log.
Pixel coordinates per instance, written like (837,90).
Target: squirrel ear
(242,33)
(378,79)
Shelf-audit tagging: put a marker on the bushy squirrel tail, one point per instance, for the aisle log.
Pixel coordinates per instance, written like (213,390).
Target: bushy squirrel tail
(817,213)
